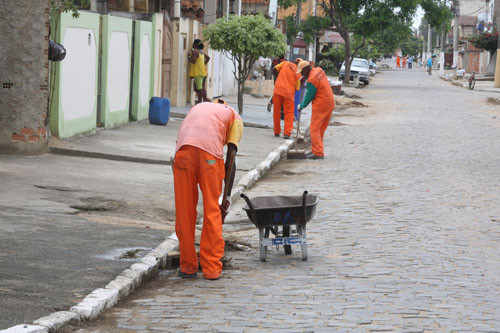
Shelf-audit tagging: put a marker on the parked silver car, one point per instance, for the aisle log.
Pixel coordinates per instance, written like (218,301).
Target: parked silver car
(360,67)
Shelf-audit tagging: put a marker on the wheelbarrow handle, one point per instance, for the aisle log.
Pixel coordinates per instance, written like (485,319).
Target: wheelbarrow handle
(250,206)
(304,207)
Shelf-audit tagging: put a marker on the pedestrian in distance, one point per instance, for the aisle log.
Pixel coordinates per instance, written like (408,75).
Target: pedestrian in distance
(404,61)
(199,161)
(284,95)
(398,61)
(429,66)
(410,62)
(198,70)
(319,92)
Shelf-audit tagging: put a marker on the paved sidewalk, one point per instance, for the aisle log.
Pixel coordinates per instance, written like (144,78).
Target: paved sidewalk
(71,222)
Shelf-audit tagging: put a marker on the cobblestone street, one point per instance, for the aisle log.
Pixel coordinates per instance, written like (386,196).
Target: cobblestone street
(405,238)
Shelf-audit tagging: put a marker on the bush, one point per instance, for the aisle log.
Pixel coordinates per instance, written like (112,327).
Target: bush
(486,41)
(328,67)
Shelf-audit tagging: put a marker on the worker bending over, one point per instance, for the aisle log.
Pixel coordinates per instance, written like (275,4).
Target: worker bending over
(284,95)
(318,91)
(199,161)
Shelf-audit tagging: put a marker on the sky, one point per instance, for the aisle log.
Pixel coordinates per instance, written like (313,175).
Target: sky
(417,18)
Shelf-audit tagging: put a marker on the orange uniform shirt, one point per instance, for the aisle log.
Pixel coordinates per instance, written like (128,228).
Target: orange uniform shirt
(209,126)
(324,96)
(287,80)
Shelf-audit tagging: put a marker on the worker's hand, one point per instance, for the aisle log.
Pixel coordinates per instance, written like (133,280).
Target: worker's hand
(226,203)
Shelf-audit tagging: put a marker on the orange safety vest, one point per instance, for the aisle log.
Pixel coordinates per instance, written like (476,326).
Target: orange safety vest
(324,99)
(287,78)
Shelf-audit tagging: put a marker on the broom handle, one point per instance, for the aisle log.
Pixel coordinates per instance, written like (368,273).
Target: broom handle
(227,181)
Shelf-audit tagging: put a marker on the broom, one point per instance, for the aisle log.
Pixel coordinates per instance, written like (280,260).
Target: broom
(296,154)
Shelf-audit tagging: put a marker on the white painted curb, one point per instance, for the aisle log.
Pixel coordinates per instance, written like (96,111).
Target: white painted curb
(128,280)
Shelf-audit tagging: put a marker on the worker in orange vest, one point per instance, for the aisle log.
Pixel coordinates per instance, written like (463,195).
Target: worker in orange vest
(398,61)
(199,161)
(319,91)
(404,62)
(284,95)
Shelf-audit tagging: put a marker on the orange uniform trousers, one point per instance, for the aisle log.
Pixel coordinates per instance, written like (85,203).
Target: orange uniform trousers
(288,109)
(193,167)
(398,63)
(320,118)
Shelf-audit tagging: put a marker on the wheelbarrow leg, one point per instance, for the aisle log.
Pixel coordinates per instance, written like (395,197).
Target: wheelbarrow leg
(303,245)
(286,233)
(263,233)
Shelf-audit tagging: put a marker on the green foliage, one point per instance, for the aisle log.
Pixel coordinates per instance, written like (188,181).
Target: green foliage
(486,41)
(64,6)
(246,38)
(310,27)
(437,14)
(328,66)
(288,3)
(412,45)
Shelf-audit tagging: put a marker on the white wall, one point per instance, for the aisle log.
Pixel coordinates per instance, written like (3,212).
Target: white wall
(118,71)
(78,75)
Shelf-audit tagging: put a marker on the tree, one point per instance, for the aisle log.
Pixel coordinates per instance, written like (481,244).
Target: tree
(364,18)
(245,38)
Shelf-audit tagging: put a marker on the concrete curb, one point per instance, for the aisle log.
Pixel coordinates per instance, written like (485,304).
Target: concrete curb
(130,279)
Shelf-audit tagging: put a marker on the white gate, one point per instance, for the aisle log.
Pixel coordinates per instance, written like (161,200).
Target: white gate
(217,74)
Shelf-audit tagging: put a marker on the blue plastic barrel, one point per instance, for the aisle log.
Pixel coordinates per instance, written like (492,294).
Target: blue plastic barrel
(159,111)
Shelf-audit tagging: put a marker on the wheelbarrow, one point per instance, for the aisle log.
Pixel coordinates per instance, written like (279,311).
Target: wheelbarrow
(277,215)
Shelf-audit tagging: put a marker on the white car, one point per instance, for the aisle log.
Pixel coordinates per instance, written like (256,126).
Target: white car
(359,66)
(373,68)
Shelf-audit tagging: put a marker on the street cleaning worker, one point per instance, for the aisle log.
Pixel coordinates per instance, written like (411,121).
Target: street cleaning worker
(398,61)
(284,95)
(199,161)
(198,70)
(318,91)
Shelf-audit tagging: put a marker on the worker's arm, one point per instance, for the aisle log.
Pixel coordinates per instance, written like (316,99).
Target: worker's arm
(310,94)
(230,167)
(193,55)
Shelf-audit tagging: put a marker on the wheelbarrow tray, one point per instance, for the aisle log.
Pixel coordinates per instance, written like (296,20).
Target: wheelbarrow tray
(272,211)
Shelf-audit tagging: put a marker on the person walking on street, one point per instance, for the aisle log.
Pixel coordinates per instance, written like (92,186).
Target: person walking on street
(284,95)
(429,66)
(199,161)
(398,61)
(410,62)
(318,91)
(404,62)
(198,70)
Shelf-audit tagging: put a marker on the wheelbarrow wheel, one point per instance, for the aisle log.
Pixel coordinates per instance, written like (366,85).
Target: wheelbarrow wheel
(263,233)
(286,233)
(301,229)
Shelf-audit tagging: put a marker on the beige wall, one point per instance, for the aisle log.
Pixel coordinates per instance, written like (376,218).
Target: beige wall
(184,31)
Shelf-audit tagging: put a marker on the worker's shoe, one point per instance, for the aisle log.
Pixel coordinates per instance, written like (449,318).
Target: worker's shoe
(187,275)
(277,135)
(286,137)
(311,156)
(213,279)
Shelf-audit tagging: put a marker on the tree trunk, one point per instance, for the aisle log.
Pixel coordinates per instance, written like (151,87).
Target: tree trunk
(347,74)
(241,85)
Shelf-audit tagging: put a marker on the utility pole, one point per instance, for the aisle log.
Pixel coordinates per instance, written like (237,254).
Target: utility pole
(456,12)
(423,45)
(429,42)
(496,18)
